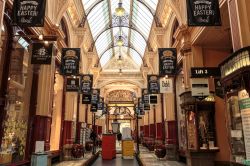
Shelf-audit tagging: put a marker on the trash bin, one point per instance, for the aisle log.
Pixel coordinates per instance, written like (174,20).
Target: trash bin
(39,159)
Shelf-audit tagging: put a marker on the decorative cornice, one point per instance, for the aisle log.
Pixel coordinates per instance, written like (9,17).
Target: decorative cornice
(159,31)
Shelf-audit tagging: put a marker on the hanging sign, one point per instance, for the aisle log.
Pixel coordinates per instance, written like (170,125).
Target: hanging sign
(86,83)
(145,96)
(204,72)
(29,13)
(86,98)
(72,85)
(203,13)
(200,87)
(244,103)
(219,91)
(153,84)
(166,85)
(41,53)
(70,61)
(140,104)
(100,104)
(146,107)
(153,99)
(167,61)
(93,108)
(95,95)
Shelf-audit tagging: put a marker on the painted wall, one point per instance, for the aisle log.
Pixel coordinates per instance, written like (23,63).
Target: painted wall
(211,58)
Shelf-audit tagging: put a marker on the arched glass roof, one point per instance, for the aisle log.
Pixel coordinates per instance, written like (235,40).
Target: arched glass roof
(106,27)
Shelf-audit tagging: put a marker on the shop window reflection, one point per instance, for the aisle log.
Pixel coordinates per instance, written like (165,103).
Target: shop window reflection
(17,107)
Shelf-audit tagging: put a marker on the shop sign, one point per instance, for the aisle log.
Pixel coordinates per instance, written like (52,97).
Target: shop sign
(93,108)
(200,87)
(236,61)
(140,104)
(204,72)
(95,95)
(167,61)
(70,61)
(72,85)
(41,53)
(153,84)
(145,96)
(86,98)
(219,90)
(86,83)
(166,85)
(100,104)
(203,13)
(244,103)
(29,13)
(146,106)
(153,99)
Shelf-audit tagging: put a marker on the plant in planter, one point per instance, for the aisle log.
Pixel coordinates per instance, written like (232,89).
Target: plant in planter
(88,146)
(160,151)
(151,146)
(77,151)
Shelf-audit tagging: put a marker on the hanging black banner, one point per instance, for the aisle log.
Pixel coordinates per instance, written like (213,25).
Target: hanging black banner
(29,13)
(100,104)
(41,53)
(70,61)
(146,107)
(167,61)
(95,95)
(86,98)
(140,104)
(93,108)
(203,13)
(153,84)
(145,96)
(72,85)
(86,83)
(153,99)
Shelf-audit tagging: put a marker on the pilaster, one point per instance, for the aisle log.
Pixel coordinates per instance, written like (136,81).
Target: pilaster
(2,7)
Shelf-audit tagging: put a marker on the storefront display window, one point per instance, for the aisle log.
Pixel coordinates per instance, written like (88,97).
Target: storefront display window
(17,104)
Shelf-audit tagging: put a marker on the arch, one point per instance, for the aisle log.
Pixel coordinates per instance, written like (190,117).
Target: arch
(62,11)
(112,46)
(175,25)
(156,20)
(112,27)
(133,82)
(64,28)
(67,29)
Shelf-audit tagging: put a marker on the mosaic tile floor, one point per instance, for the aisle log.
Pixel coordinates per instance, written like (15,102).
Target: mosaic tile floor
(149,159)
(78,162)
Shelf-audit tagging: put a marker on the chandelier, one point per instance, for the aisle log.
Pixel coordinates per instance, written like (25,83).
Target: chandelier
(120,10)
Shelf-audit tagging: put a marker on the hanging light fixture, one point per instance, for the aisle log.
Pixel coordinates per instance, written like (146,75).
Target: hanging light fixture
(120,41)
(120,72)
(120,10)
(120,59)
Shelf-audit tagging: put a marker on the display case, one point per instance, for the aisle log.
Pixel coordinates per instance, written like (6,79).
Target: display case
(200,131)
(236,129)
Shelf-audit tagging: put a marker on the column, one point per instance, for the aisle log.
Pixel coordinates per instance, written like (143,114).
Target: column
(2,7)
(42,119)
(239,21)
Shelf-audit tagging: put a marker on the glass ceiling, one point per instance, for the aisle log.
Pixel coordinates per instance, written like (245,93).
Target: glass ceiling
(133,27)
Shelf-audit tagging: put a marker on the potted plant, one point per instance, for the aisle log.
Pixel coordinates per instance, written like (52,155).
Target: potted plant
(77,151)
(160,151)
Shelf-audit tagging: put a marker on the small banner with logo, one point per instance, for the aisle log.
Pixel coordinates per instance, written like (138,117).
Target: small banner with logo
(153,84)
(203,13)
(166,85)
(95,96)
(167,61)
(28,13)
(70,61)
(86,83)
(41,53)
(100,104)
(72,85)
